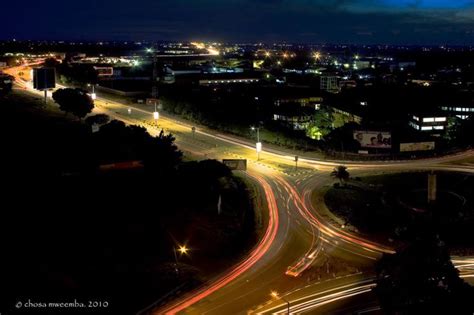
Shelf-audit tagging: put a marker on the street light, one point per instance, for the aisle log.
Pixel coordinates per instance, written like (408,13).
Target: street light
(156,115)
(275,295)
(183,250)
(258,145)
(93,95)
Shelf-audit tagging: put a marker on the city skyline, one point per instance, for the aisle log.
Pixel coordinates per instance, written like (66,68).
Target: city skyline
(310,21)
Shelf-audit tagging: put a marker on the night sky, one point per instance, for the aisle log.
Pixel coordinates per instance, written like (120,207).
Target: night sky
(295,21)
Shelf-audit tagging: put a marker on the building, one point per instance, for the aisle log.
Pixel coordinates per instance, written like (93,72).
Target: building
(329,83)
(226,79)
(346,115)
(460,111)
(294,115)
(311,102)
(435,124)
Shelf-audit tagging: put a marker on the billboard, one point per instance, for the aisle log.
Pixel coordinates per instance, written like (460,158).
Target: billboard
(44,78)
(374,139)
(236,165)
(417,146)
(104,71)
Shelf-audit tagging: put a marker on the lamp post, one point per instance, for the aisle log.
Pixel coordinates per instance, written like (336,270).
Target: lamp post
(93,94)
(275,295)
(258,145)
(156,115)
(182,250)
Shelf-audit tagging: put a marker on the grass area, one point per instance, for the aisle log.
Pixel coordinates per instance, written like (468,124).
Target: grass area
(396,206)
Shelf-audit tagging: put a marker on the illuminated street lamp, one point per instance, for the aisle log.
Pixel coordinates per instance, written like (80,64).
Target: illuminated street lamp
(317,55)
(258,145)
(93,94)
(259,149)
(183,250)
(156,115)
(275,295)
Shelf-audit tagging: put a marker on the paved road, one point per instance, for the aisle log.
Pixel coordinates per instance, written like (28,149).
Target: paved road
(306,254)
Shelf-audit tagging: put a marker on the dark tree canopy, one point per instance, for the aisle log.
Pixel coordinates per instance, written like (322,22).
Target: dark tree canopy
(117,142)
(464,131)
(74,101)
(99,119)
(340,172)
(421,279)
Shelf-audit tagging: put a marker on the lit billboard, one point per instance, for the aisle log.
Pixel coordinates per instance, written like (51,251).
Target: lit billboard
(104,71)
(374,139)
(417,146)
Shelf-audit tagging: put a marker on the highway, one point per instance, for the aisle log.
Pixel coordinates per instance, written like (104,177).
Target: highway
(305,254)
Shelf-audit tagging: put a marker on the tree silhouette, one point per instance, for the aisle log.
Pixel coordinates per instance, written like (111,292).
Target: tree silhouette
(340,172)
(99,119)
(421,279)
(74,101)
(116,142)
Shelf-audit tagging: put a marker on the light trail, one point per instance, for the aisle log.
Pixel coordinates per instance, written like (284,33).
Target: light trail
(320,298)
(255,255)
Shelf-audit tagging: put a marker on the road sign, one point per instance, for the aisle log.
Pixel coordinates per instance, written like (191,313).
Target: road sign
(236,164)
(296,158)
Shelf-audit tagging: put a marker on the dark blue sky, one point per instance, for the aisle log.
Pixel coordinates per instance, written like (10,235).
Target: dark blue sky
(316,21)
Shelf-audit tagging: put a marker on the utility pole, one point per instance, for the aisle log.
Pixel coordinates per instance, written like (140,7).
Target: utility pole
(176,269)
(154,89)
(432,187)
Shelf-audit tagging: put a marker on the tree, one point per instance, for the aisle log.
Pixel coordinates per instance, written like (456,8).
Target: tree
(117,142)
(421,279)
(340,172)
(342,138)
(74,101)
(321,124)
(464,131)
(99,119)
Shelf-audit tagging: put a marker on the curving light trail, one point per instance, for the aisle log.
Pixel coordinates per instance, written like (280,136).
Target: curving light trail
(255,255)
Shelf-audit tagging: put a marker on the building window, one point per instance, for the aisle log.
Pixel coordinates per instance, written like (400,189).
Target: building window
(440,119)
(426,128)
(428,119)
